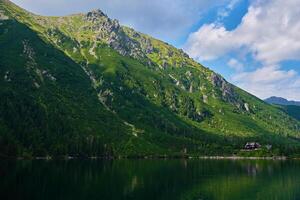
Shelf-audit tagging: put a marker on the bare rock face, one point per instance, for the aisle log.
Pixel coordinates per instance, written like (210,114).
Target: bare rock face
(246,106)
(205,99)
(145,43)
(113,34)
(226,89)
(228,93)
(94,15)
(216,80)
(3,16)
(183,53)
(222,84)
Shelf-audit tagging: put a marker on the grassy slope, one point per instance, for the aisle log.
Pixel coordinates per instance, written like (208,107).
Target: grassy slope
(155,101)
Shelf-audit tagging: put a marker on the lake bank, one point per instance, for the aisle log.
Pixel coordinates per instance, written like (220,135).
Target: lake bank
(159,158)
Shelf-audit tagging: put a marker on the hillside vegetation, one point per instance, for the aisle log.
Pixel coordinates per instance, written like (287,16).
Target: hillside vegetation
(293,111)
(84,85)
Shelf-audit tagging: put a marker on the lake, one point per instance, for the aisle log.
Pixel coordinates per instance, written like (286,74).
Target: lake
(150,179)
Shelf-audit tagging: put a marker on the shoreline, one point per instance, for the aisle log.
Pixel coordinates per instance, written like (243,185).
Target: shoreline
(244,158)
(158,158)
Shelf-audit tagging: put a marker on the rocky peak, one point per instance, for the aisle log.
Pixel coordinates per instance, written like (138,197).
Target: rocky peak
(111,32)
(94,15)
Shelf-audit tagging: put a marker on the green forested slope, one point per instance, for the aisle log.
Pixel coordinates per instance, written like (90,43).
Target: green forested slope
(293,111)
(83,84)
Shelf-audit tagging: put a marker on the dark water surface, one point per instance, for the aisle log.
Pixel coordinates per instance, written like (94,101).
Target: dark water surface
(150,179)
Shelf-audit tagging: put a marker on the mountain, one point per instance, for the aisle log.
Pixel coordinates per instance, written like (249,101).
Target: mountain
(293,111)
(291,108)
(84,85)
(281,101)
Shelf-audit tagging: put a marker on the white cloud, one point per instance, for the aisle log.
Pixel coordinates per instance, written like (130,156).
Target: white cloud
(235,64)
(224,12)
(265,75)
(269,81)
(209,42)
(270,31)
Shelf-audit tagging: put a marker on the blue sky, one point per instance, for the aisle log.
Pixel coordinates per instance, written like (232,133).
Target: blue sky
(254,44)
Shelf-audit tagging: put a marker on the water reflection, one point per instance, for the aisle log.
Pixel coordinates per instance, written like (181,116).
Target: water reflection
(150,179)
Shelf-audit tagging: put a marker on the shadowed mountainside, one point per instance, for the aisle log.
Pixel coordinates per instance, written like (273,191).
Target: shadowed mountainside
(85,85)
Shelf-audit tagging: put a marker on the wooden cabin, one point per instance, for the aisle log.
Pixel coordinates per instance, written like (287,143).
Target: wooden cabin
(252,146)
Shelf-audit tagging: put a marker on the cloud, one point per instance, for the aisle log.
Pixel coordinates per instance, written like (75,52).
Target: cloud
(235,64)
(209,42)
(270,80)
(269,30)
(224,12)
(165,19)
(265,75)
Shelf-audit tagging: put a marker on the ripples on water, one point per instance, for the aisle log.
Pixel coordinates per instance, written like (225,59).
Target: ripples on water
(150,179)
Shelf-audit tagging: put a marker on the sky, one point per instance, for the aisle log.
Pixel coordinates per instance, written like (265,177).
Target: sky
(254,44)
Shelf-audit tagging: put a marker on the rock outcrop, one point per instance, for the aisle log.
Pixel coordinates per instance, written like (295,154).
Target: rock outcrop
(110,32)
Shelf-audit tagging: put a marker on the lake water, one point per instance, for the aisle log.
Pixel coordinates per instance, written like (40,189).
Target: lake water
(150,179)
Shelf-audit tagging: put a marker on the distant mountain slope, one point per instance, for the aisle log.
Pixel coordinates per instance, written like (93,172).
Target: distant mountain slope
(84,84)
(293,111)
(281,101)
(292,108)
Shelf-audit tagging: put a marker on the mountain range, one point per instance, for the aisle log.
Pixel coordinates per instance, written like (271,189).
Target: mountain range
(281,101)
(292,108)
(84,85)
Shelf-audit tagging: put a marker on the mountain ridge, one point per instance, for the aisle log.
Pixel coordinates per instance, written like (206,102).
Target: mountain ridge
(292,108)
(281,101)
(158,99)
